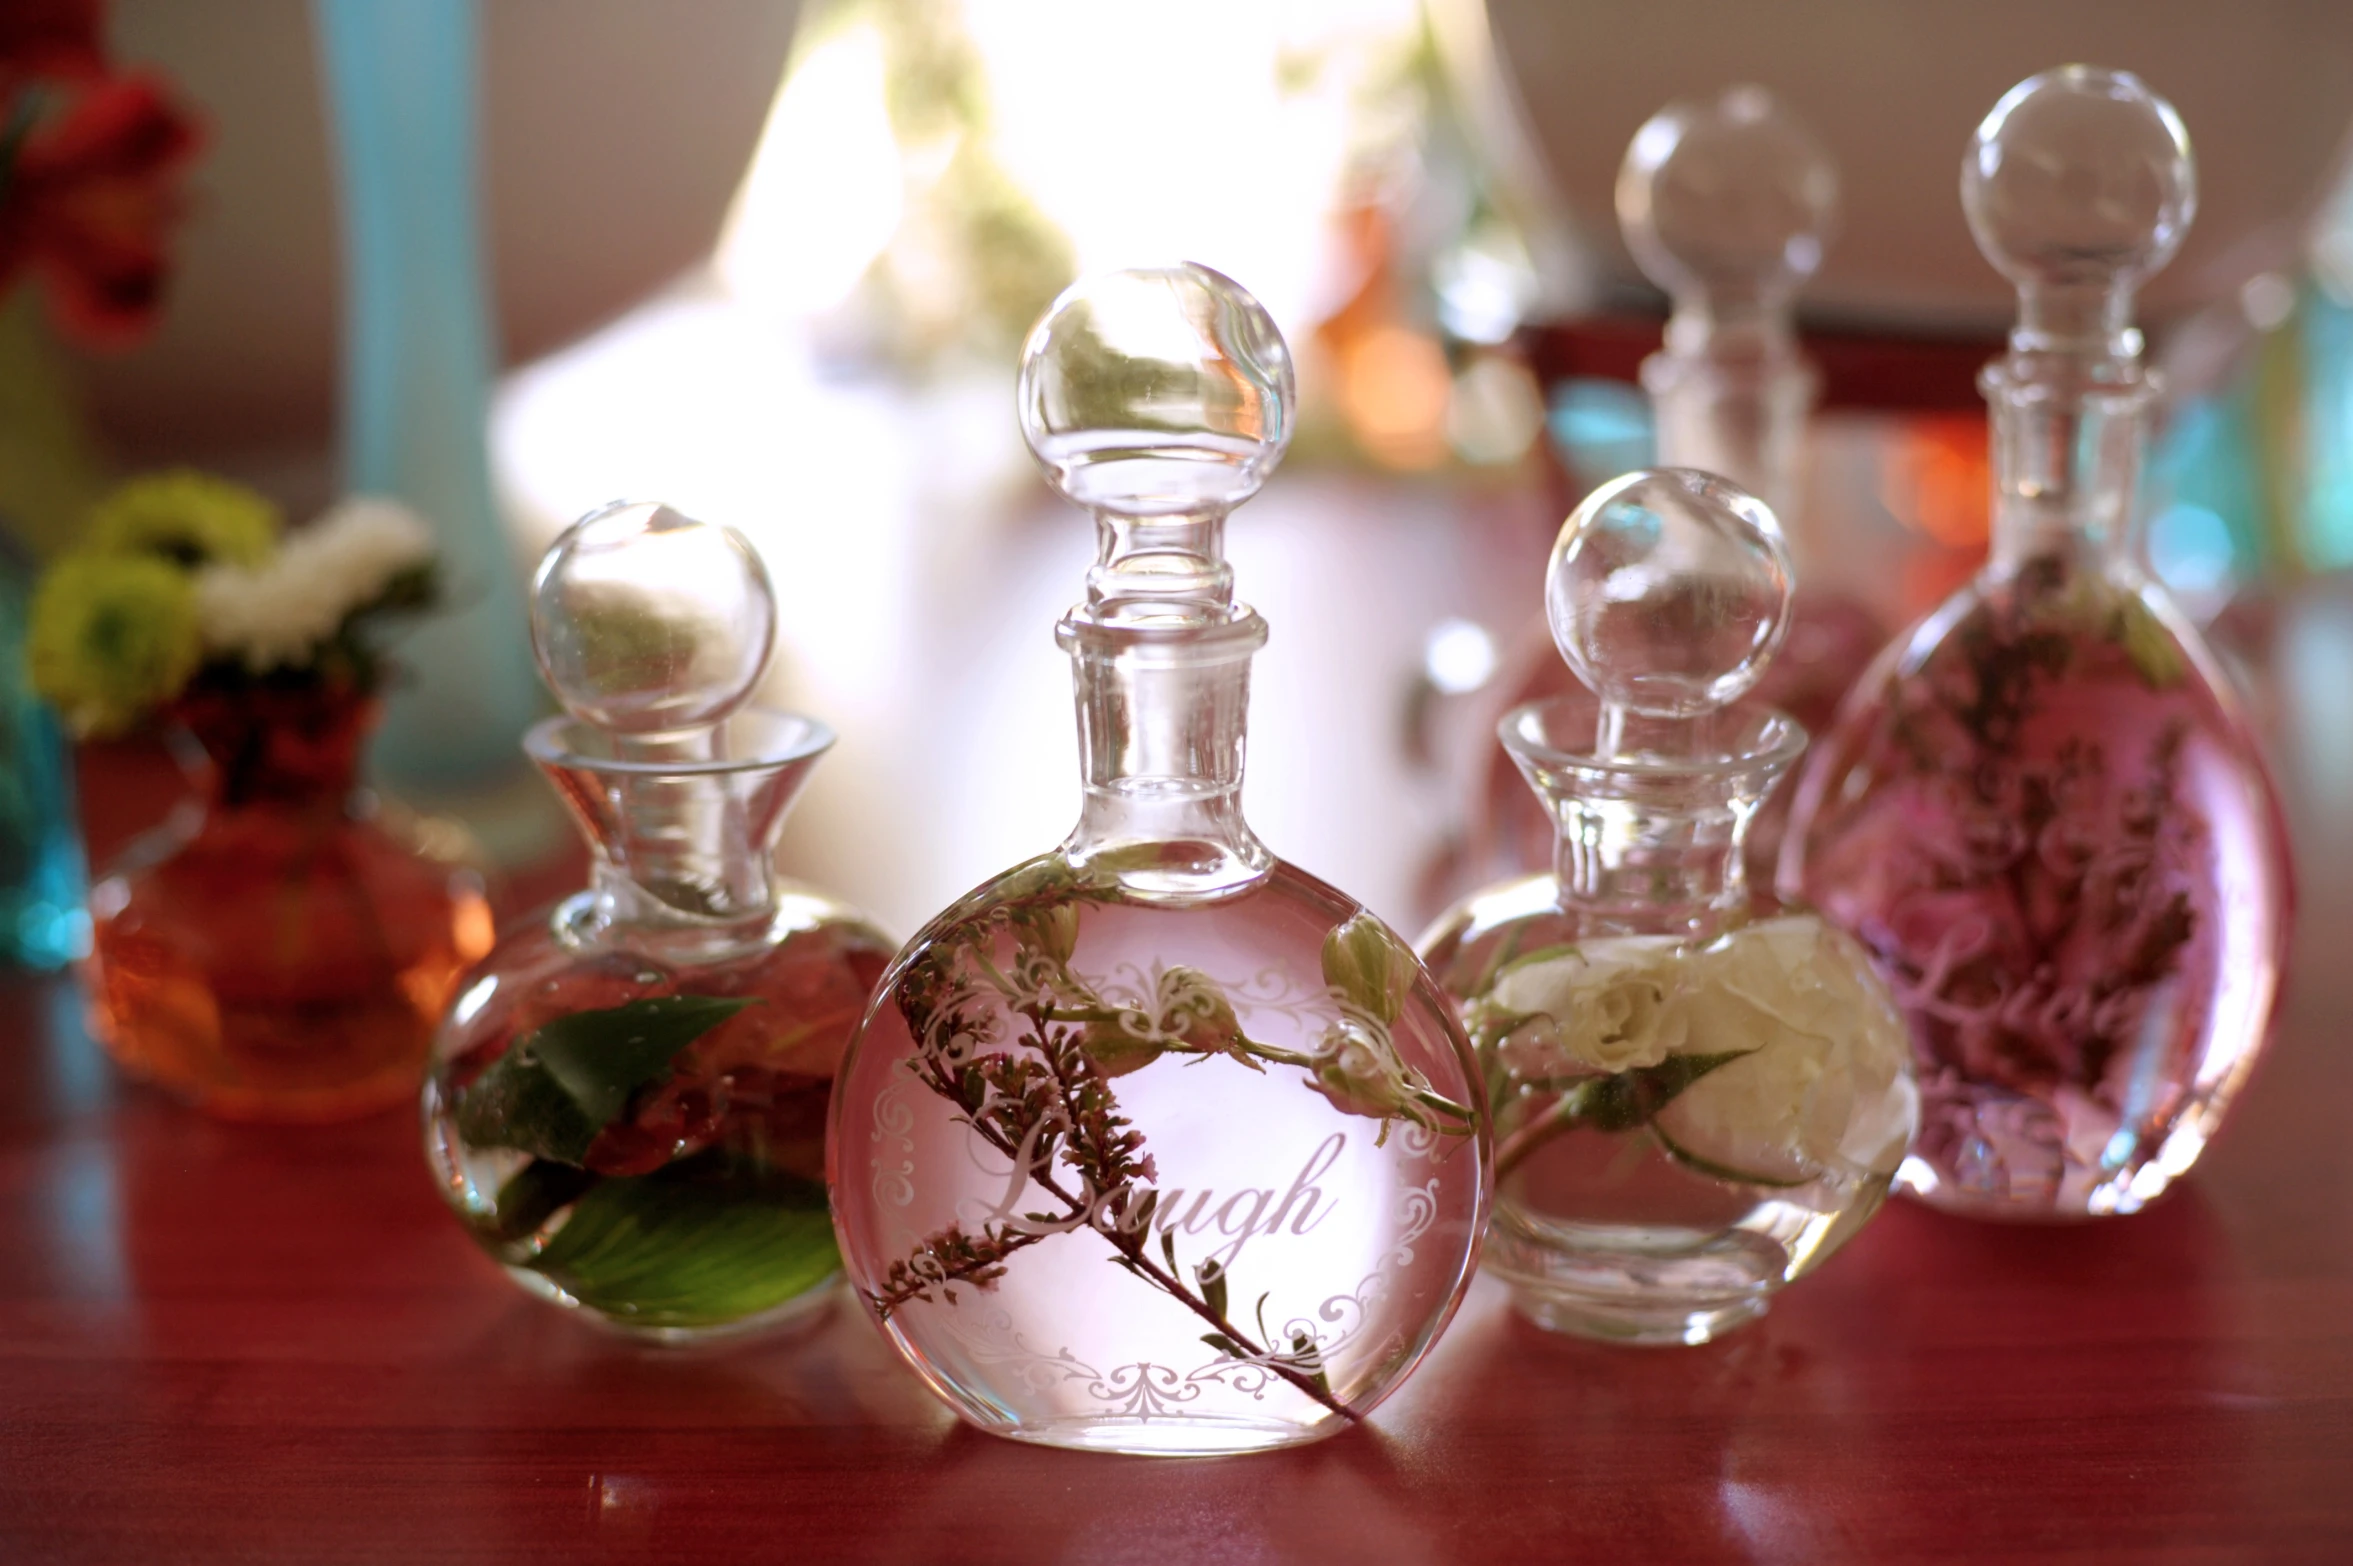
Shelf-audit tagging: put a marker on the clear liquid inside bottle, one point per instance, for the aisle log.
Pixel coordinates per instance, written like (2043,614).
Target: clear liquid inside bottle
(628,1097)
(1157,1143)
(1694,1103)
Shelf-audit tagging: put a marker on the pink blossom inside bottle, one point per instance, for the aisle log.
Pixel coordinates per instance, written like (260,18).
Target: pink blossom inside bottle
(2044,812)
(1156,1143)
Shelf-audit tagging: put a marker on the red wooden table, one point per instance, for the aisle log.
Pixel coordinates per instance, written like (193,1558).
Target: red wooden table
(227,1344)
(219,1343)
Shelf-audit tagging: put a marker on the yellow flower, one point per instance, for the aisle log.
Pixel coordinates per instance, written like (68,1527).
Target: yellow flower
(188,518)
(110,637)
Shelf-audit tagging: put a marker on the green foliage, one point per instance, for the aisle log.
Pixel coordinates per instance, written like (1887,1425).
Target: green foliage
(696,1244)
(551,1093)
(1634,1098)
(2154,654)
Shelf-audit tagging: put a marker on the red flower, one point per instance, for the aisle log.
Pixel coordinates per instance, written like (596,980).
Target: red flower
(88,167)
(49,38)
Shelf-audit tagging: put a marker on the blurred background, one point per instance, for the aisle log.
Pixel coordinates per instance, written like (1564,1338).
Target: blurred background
(773,263)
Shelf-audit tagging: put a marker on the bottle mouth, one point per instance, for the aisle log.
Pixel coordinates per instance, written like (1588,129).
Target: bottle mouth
(1746,740)
(754,739)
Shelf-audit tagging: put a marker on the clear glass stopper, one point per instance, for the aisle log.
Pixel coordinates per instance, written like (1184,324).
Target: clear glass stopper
(649,624)
(1668,594)
(1159,399)
(1157,392)
(1727,205)
(2078,186)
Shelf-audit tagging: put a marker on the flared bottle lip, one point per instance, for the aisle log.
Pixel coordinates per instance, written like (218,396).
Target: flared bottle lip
(753,739)
(1744,739)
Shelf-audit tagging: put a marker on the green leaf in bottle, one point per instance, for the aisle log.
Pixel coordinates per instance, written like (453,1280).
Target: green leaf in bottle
(692,1245)
(2154,654)
(553,1091)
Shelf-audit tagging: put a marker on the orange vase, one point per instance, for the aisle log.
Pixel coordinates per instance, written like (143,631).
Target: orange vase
(280,954)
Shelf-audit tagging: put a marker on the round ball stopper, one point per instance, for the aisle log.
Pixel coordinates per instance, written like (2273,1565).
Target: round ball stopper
(1668,591)
(1156,391)
(649,622)
(2079,176)
(1731,199)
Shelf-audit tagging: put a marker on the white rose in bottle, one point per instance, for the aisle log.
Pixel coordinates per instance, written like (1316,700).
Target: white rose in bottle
(1819,1085)
(1608,1005)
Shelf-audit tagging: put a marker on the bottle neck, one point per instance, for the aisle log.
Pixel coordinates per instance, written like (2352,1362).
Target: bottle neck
(1649,839)
(1732,397)
(1625,871)
(2067,437)
(682,849)
(295,750)
(684,853)
(1163,714)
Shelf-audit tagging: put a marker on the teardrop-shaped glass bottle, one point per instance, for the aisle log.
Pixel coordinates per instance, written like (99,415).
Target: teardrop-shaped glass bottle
(1728,205)
(2042,810)
(627,1101)
(1693,1105)
(1156,1143)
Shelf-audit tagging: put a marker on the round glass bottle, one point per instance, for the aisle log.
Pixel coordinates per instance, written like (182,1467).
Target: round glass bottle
(2043,811)
(627,1104)
(1728,206)
(280,951)
(1156,1143)
(1693,1105)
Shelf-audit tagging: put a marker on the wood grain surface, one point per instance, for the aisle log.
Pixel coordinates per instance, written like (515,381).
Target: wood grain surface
(227,1344)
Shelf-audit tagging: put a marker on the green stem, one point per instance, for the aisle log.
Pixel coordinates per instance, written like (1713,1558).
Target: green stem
(1715,1171)
(1563,1113)
(1437,1103)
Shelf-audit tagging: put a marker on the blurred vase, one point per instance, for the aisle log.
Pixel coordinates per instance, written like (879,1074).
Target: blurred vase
(279,952)
(417,363)
(42,923)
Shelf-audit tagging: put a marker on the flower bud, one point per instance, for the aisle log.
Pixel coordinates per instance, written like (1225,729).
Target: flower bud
(1357,1069)
(1369,967)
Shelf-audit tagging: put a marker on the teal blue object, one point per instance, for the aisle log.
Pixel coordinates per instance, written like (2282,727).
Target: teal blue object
(2327,324)
(401,87)
(43,923)
(2206,494)
(1600,428)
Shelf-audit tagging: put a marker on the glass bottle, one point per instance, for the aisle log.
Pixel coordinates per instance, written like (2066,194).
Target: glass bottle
(1156,1143)
(43,921)
(1693,1104)
(2043,811)
(280,950)
(627,1102)
(1727,206)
